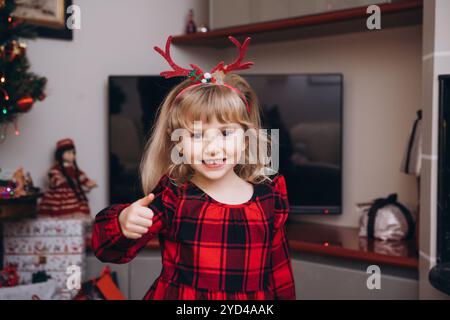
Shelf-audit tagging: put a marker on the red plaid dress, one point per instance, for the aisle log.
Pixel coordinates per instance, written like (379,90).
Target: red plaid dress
(210,250)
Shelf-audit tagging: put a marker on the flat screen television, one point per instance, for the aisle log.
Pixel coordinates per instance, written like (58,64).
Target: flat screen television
(306,108)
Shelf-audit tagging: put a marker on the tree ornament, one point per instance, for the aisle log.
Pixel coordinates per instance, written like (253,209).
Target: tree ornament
(24,104)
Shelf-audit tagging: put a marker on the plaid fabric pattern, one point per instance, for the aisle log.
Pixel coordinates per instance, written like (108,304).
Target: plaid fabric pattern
(210,250)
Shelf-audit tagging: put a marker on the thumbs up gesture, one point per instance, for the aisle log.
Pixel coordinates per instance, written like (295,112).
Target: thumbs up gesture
(135,219)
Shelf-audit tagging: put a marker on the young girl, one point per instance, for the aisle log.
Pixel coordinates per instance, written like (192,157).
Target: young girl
(67,184)
(220,219)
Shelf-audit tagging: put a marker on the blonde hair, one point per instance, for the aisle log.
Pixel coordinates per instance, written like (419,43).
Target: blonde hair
(203,102)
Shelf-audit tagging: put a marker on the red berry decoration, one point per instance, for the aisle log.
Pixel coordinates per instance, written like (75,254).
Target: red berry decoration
(25,104)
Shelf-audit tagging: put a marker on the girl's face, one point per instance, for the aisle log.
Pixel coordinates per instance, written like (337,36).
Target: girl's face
(69,156)
(213,149)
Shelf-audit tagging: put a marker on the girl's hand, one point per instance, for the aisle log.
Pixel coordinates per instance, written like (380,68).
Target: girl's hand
(135,219)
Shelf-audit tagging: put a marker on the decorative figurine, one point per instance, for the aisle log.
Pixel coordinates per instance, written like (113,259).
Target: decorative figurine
(16,184)
(191,27)
(67,184)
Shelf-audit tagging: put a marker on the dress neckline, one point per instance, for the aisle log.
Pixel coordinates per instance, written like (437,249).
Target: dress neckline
(228,205)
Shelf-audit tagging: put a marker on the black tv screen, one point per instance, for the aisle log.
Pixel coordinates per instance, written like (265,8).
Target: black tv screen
(306,108)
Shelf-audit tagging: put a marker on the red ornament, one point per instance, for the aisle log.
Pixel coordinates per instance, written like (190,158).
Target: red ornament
(14,22)
(24,104)
(42,96)
(9,276)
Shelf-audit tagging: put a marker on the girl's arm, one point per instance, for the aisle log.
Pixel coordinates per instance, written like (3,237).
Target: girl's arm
(108,242)
(281,279)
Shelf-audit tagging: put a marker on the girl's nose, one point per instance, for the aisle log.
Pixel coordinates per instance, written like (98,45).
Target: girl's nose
(213,146)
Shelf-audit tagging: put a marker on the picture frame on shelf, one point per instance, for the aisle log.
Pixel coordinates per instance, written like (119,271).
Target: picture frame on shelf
(48,16)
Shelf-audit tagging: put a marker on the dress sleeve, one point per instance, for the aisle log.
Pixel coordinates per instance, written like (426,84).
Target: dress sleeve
(281,280)
(83,177)
(56,178)
(108,242)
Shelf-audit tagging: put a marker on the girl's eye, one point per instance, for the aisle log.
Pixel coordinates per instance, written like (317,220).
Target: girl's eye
(227,133)
(197,135)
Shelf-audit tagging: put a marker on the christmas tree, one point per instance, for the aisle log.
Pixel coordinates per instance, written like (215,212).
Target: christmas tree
(19,88)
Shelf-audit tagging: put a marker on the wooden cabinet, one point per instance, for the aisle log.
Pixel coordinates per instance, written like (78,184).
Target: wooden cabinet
(316,277)
(304,20)
(231,13)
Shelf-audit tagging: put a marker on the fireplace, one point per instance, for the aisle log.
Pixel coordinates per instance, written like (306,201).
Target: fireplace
(443,201)
(440,274)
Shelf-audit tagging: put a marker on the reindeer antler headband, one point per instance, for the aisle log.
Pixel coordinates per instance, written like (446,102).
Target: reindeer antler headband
(199,77)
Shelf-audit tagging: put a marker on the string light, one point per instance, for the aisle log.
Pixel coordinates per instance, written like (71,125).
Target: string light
(5,94)
(16,129)
(3,128)
(2,79)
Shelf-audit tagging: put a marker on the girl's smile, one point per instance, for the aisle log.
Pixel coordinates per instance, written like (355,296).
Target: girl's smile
(214,163)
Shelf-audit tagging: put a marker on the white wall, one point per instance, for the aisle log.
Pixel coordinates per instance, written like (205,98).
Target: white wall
(382,74)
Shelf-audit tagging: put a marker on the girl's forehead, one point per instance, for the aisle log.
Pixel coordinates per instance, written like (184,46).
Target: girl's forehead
(214,124)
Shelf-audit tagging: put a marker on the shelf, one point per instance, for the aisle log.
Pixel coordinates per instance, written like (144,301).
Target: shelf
(19,208)
(403,13)
(344,242)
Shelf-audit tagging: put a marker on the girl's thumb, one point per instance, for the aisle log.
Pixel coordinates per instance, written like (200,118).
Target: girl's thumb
(145,201)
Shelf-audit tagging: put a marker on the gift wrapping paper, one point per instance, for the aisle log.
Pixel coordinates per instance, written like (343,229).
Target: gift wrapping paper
(46,244)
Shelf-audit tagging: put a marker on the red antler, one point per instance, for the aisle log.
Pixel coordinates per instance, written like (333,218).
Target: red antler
(237,64)
(177,70)
(218,67)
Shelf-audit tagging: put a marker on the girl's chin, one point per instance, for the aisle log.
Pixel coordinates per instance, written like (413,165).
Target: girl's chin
(213,172)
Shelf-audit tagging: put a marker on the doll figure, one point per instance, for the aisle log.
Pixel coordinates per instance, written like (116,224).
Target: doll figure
(67,184)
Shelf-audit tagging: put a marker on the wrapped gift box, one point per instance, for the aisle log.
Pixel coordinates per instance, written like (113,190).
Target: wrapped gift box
(44,245)
(50,244)
(34,263)
(48,227)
